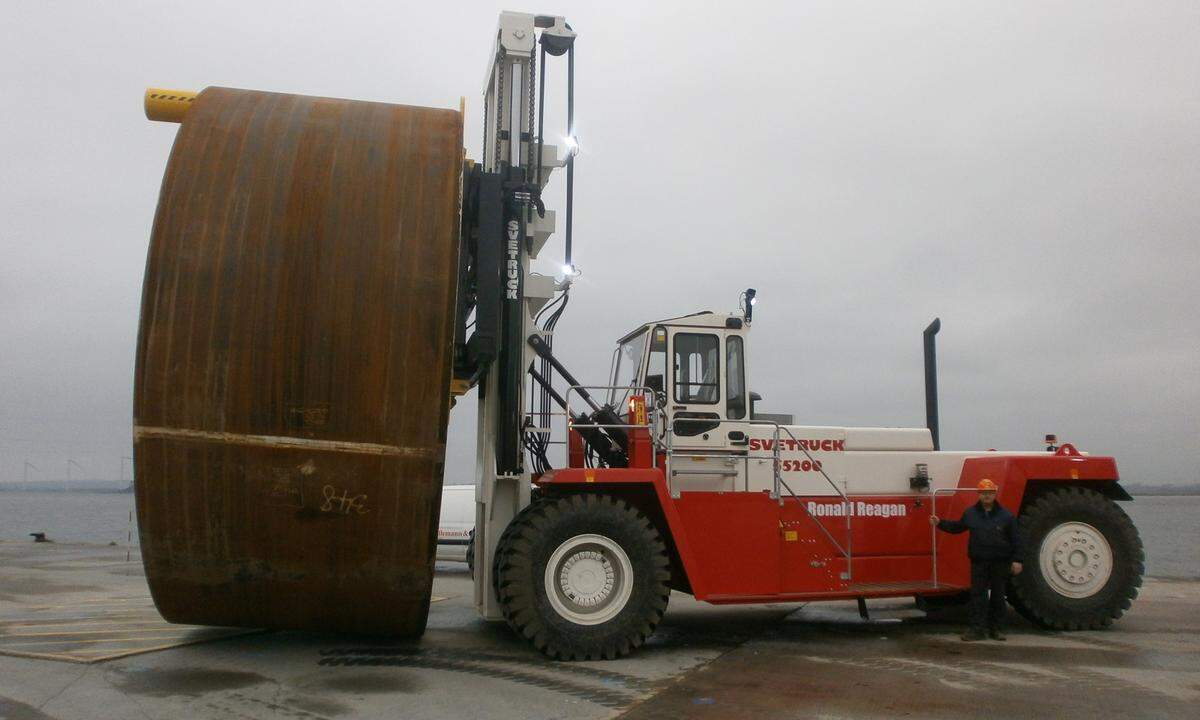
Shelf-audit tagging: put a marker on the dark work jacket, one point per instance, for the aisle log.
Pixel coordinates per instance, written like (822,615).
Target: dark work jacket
(993,534)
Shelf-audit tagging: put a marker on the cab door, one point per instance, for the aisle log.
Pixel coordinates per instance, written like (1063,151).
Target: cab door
(708,453)
(695,392)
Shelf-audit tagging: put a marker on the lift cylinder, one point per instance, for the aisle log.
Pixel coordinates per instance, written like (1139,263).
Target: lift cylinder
(294,361)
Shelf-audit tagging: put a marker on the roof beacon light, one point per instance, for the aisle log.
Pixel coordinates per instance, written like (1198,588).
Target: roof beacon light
(749,301)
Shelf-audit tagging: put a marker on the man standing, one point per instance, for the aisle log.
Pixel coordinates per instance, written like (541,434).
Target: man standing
(995,551)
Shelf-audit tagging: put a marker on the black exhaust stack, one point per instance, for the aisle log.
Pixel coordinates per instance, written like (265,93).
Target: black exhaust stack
(931,403)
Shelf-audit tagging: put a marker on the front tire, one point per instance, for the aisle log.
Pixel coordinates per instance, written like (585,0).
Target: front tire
(582,577)
(1084,561)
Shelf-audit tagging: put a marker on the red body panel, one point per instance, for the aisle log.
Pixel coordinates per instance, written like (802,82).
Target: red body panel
(735,543)
(740,547)
(576,450)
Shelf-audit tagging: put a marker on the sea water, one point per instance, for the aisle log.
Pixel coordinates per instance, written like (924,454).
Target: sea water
(1169,525)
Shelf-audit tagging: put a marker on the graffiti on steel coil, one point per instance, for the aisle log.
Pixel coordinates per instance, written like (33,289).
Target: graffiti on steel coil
(343,504)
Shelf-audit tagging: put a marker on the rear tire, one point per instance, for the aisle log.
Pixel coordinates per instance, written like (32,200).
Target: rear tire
(1083,561)
(582,577)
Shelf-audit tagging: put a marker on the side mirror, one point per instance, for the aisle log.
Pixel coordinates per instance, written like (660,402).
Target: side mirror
(655,383)
(754,398)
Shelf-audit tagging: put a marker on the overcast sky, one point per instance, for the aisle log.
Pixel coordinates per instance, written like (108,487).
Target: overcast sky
(1027,171)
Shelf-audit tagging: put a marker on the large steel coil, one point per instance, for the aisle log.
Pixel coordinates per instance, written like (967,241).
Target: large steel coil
(293,362)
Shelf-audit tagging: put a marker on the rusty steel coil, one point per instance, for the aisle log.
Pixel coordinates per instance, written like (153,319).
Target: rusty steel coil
(293,362)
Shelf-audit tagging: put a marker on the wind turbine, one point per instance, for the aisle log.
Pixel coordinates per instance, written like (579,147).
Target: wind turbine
(25,477)
(67,485)
(123,459)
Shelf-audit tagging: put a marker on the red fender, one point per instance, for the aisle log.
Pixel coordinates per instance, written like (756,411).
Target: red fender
(1012,474)
(617,480)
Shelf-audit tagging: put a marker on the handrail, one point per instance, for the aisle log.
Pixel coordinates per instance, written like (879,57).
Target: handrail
(933,528)
(848,552)
(670,449)
(775,444)
(836,544)
(811,459)
(779,482)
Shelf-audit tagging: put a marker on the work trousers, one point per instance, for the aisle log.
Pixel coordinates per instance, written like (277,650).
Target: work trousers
(988,575)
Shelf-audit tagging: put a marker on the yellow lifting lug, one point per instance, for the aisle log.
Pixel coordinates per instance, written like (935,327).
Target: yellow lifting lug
(168,105)
(459,387)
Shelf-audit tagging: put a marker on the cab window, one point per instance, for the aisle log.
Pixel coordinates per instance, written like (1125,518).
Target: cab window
(697,369)
(627,362)
(656,368)
(735,379)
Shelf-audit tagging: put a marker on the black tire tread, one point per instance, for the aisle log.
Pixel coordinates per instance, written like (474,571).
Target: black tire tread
(1031,596)
(516,579)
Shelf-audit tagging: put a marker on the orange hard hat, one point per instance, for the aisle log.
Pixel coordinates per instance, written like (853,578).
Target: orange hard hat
(985,485)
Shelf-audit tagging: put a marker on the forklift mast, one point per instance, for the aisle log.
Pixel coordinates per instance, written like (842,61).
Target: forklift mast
(504,226)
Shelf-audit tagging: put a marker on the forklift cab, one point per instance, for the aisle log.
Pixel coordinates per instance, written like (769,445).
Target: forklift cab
(696,367)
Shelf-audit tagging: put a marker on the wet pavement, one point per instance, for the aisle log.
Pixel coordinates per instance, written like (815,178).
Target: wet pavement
(818,660)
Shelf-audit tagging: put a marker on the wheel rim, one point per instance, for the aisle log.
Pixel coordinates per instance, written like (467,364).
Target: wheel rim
(1076,560)
(589,579)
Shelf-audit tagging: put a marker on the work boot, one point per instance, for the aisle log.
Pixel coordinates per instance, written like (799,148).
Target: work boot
(972,635)
(998,635)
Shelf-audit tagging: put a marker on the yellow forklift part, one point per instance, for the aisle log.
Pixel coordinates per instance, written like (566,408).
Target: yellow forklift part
(168,105)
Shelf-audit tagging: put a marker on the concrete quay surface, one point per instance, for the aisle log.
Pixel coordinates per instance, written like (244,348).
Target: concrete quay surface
(79,638)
